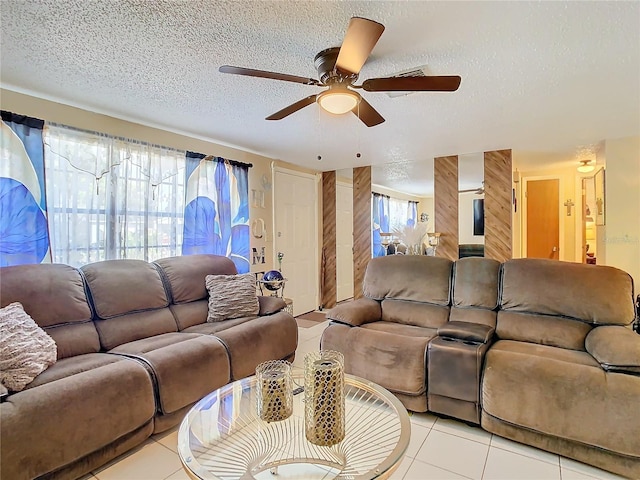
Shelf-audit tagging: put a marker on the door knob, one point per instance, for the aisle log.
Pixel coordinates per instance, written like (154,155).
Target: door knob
(555,249)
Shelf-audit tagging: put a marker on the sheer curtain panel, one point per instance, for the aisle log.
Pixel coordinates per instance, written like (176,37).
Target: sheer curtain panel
(111,197)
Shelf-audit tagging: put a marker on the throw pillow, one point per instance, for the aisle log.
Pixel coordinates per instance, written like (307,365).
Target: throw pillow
(26,350)
(231,296)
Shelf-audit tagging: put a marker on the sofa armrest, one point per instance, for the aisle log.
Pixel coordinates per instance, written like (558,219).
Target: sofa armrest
(467,332)
(616,348)
(357,312)
(270,305)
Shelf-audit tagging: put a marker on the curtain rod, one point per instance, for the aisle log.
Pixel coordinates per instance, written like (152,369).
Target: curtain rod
(102,134)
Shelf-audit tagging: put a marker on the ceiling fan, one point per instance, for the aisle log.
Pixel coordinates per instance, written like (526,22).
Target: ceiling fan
(338,69)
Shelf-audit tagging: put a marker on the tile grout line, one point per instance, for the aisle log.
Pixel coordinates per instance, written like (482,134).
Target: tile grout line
(532,458)
(445,469)
(486,459)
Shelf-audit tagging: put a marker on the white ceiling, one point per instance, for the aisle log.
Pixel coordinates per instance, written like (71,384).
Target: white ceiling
(541,78)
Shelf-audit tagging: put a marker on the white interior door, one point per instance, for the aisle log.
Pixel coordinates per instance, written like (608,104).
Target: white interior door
(296,236)
(344,240)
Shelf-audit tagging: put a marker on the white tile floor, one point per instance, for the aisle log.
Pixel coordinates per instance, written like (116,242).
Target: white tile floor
(439,449)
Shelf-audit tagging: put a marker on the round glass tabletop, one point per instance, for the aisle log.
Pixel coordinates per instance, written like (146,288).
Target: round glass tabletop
(222,437)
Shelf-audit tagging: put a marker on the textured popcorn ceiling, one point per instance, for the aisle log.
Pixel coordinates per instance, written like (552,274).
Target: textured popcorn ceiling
(536,76)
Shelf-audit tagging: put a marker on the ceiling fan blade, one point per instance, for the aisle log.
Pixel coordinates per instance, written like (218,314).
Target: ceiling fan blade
(369,115)
(294,107)
(250,72)
(413,84)
(362,35)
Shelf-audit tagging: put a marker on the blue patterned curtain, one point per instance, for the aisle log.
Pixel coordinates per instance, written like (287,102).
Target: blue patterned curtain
(24,235)
(380,222)
(216,215)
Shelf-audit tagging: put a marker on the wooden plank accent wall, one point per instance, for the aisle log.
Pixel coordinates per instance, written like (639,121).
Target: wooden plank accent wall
(497,205)
(361,226)
(328,266)
(445,197)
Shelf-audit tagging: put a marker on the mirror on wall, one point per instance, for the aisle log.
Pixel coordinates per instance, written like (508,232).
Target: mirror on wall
(471,205)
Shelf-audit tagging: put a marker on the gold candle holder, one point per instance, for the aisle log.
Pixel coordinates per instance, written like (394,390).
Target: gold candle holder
(324,397)
(275,391)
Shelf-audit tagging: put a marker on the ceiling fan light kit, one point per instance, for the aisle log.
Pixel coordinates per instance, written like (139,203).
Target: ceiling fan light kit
(585,166)
(338,100)
(338,69)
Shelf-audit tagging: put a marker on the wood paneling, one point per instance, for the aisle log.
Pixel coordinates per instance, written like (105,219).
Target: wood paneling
(497,205)
(445,175)
(361,226)
(328,267)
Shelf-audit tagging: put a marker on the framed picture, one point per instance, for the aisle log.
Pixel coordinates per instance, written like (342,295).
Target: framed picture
(600,190)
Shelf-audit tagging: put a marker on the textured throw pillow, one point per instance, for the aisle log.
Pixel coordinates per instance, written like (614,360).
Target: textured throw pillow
(26,350)
(231,296)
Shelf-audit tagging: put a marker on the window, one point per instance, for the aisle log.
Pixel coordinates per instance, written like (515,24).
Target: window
(112,198)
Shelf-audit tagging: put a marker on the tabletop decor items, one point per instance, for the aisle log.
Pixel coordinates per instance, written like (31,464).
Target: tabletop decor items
(324,397)
(274,392)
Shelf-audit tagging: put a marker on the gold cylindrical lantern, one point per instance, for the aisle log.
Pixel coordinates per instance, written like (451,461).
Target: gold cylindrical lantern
(324,397)
(274,392)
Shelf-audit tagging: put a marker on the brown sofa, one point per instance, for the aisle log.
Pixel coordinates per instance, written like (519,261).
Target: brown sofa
(134,354)
(537,351)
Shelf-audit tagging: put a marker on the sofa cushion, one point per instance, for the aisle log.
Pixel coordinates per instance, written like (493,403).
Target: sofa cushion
(135,326)
(185,275)
(130,301)
(119,287)
(417,278)
(25,349)
(80,410)
(55,297)
(376,350)
(562,393)
(475,283)
(231,296)
(414,313)
(543,329)
(594,294)
(272,337)
(185,366)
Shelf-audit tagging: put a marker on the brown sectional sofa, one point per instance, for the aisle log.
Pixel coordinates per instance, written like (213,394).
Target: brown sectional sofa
(134,354)
(537,351)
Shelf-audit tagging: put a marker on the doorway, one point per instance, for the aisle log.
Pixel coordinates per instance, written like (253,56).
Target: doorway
(295,213)
(542,224)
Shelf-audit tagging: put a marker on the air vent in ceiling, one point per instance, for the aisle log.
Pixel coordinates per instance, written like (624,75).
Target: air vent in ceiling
(413,72)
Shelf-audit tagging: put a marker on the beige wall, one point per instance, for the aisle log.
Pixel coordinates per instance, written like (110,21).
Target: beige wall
(621,245)
(76,117)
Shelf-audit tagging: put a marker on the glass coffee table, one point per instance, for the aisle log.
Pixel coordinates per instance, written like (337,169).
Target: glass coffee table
(222,437)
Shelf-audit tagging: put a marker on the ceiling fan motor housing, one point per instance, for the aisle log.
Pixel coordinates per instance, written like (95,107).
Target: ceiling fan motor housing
(325,63)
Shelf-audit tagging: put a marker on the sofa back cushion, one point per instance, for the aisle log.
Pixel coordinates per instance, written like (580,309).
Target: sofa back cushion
(598,295)
(185,275)
(475,290)
(129,299)
(414,278)
(54,296)
(185,279)
(557,303)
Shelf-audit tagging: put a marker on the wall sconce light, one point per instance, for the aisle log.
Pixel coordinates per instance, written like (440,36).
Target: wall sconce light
(585,166)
